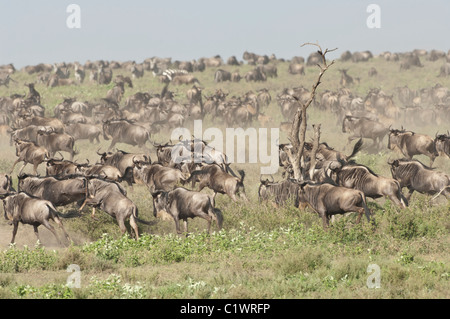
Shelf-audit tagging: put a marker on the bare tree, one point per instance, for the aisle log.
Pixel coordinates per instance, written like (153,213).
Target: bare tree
(312,163)
(298,131)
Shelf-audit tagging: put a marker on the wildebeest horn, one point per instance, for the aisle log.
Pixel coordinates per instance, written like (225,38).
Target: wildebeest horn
(99,153)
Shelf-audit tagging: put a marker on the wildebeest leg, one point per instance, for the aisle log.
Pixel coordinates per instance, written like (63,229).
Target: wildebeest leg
(35,166)
(207,217)
(122,226)
(325,221)
(50,228)
(397,201)
(15,163)
(16,225)
(243,195)
(213,199)
(177,225)
(185,224)
(134,226)
(20,171)
(432,158)
(60,224)
(113,142)
(408,196)
(360,212)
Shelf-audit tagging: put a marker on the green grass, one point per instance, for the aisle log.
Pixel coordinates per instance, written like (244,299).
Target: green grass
(261,252)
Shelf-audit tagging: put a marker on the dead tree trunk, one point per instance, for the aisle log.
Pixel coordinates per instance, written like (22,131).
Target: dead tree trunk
(312,162)
(298,131)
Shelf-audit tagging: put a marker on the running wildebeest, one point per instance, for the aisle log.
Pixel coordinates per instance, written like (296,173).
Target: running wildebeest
(124,131)
(61,167)
(181,204)
(29,153)
(60,191)
(82,131)
(410,144)
(361,127)
(30,210)
(417,177)
(55,123)
(108,172)
(28,133)
(158,177)
(364,179)
(328,200)
(111,198)
(215,178)
(54,142)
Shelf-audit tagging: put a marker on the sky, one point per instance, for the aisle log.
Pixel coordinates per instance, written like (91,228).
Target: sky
(33,32)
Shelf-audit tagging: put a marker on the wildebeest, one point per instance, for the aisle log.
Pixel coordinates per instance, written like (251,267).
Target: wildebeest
(111,198)
(256,75)
(61,167)
(214,177)
(182,204)
(345,78)
(158,177)
(26,209)
(124,131)
(81,131)
(55,123)
(362,178)
(442,144)
(328,200)
(108,172)
(362,127)
(6,184)
(60,191)
(30,153)
(222,76)
(410,144)
(417,177)
(280,192)
(123,160)
(55,142)
(28,133)
(296,68)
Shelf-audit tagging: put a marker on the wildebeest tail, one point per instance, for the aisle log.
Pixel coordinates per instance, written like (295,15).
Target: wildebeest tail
(53,211)
(217,215)
(242,173)
(135,214)
(356,148)
(366,208)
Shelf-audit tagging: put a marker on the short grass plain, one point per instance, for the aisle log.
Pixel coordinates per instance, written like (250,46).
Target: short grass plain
(261,252)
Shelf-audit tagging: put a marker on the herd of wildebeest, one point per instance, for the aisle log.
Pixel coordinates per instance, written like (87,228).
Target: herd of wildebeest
(335,185)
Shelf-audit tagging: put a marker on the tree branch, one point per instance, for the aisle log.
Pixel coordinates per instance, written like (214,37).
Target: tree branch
(299,125)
